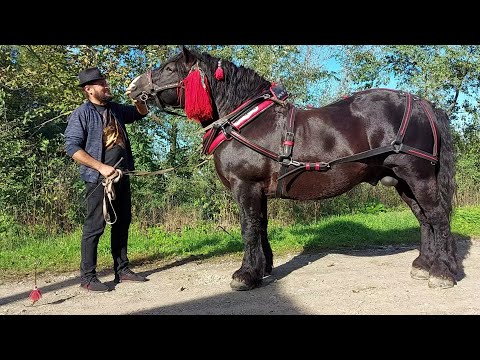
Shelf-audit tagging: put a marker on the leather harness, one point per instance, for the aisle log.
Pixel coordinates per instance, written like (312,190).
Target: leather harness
(230,127)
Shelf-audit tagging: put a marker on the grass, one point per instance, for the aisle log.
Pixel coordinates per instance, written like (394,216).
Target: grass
(21,253)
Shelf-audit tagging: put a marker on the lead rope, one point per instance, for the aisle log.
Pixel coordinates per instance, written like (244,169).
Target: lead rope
(109,189)
(109,193)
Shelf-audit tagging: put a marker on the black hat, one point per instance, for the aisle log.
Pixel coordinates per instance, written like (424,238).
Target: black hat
(89,75)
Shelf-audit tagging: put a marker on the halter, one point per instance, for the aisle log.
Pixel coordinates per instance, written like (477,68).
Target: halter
(154,90)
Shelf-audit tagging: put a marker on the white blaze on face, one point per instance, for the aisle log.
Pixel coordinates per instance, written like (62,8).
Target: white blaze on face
(132,85)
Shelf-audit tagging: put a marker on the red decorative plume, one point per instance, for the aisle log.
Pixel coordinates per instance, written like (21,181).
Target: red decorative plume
(35,294)
(219,72)
(198,104)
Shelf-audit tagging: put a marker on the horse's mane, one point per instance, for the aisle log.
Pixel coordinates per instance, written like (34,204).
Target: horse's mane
(239,85)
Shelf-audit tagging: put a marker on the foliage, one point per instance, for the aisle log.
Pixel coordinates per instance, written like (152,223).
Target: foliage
(40,186)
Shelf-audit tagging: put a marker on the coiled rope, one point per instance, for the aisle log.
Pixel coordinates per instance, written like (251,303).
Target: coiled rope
(109,194)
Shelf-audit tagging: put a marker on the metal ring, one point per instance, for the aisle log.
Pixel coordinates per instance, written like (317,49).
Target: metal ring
(143,96)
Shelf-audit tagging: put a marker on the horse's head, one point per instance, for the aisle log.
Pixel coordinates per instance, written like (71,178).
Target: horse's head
(206,87)
(164,86)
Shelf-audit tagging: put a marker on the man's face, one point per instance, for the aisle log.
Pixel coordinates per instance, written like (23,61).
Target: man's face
(99,90)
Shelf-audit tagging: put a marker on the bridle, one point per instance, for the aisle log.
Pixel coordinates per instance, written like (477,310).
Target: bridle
(154,90)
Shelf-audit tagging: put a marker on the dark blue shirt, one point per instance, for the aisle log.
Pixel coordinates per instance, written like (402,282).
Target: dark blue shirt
(85,130)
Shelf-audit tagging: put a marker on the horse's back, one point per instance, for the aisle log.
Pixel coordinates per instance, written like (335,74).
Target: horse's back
(349,125)
(364,120)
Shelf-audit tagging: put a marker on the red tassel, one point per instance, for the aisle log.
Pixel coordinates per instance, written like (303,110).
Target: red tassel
(35,295)
(219,72)
(198,104)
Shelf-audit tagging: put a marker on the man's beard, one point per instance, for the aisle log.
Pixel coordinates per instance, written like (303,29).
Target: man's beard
(106,98)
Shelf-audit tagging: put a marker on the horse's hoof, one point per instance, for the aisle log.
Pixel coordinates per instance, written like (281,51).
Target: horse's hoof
(268,271)
(240,286)
(419,274)
(440,282)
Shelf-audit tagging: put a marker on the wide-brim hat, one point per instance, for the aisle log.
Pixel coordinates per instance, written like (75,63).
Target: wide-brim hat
(88,75)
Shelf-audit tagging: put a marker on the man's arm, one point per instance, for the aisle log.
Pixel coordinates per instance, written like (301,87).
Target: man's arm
(84,158)
(131,113)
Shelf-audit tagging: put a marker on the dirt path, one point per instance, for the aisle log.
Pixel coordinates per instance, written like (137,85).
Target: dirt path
(374,281)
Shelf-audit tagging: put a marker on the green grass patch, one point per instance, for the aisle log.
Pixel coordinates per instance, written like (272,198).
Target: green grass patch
(23,251)
(466,221)
(353,231)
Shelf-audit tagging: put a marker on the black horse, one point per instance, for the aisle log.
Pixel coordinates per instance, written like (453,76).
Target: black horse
(266,147)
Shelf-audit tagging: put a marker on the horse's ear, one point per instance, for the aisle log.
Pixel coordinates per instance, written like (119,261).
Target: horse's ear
(188,56)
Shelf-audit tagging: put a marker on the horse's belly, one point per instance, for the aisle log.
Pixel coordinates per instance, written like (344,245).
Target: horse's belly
(314,185)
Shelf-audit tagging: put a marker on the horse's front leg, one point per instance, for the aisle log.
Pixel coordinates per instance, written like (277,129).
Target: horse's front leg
(267,250)
(251,202)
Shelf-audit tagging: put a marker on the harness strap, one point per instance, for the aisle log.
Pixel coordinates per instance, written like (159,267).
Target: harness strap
(397,146)
(237,119)
(324,166)
(419,153)
(237,113)
(405,120)
(431,117)
(393,148)
(231,132)
(287,148)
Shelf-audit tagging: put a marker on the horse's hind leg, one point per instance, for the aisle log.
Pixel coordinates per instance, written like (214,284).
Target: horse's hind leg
(440,253)
(251,202)
(421,265)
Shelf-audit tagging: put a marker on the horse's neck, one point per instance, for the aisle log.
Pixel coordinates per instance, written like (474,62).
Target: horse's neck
(227,97)
(227,103)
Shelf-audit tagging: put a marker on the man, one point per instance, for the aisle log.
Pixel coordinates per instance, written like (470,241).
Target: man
(96,138)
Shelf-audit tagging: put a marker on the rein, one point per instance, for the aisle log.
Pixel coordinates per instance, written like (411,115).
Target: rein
(109,190)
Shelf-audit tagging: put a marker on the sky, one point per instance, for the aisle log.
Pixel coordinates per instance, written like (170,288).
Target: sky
(323,56)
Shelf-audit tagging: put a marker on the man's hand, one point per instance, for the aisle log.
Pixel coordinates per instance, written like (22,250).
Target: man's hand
(133,94)
(131,90)
(84,158)
(142,107)
(106,170)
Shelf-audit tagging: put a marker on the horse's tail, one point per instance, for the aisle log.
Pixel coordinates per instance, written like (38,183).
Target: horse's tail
(446,165)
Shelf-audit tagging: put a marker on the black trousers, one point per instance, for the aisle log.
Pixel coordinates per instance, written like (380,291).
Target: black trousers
(94,226)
